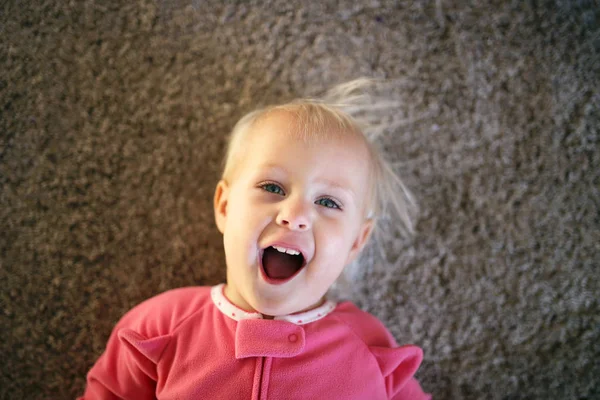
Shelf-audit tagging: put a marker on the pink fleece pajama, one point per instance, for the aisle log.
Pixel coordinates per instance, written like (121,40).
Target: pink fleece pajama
(192,343)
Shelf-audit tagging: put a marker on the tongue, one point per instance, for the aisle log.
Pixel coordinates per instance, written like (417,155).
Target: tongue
(280,265)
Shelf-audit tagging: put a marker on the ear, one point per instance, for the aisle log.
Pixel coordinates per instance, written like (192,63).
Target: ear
(361,240)
(220,204)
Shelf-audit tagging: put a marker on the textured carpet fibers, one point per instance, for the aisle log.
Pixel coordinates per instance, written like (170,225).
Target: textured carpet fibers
(113,118)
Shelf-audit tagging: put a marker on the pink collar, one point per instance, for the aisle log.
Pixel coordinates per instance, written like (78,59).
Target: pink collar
(236,313)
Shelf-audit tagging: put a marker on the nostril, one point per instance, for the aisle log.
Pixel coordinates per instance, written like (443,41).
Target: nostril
(294,225)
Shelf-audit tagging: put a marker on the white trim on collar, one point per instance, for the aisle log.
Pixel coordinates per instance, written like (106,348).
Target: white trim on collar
(236,313)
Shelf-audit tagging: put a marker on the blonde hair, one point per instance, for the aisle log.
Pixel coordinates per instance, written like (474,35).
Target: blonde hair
(346,109)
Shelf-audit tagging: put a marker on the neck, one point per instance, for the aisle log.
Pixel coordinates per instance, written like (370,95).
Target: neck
(237,300)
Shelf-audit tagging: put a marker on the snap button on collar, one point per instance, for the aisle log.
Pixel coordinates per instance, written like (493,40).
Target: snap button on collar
(268,338)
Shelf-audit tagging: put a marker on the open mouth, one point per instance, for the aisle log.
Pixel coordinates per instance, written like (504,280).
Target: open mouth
(279,266)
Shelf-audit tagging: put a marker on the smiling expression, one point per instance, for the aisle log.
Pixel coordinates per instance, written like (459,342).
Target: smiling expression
(306,197)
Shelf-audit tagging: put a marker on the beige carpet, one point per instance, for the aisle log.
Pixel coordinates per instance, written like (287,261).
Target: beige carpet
(113,116)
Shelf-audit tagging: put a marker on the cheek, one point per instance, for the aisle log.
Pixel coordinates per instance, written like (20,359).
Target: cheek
(245,222)
(335,245)
(238,212)
(236,230)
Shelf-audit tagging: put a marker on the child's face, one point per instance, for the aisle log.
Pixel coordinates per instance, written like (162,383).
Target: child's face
(286,192)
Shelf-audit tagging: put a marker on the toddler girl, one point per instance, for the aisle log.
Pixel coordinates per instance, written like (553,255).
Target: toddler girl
(299,198)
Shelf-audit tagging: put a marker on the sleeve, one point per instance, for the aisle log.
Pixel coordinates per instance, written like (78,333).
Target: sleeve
(398,366)
(412,390)
(128,367)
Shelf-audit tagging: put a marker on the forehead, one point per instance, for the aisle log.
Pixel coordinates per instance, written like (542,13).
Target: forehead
(282,128)
(277,143)
(311,130)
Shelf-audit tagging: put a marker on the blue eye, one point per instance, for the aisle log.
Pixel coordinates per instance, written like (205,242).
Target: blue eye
(327,202)
(272,188)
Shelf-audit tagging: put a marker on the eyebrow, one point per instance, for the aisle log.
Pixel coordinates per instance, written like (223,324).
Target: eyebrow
(270,166)
(327,182)
(337,186)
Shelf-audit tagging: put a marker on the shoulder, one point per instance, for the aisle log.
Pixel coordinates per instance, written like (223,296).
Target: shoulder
(397,364)
(161,314)
(364,325)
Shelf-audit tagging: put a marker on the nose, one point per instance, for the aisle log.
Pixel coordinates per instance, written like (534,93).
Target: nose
(294,215)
